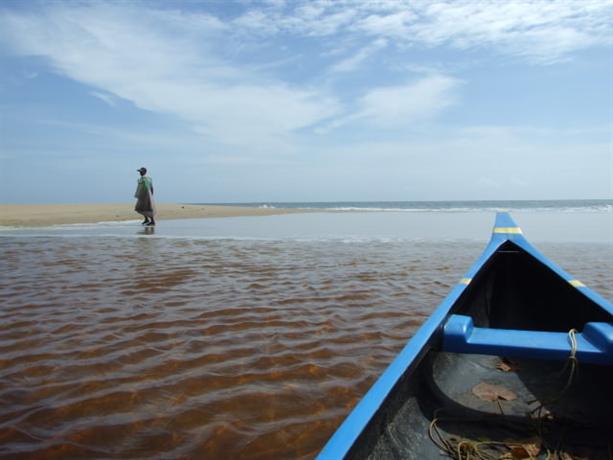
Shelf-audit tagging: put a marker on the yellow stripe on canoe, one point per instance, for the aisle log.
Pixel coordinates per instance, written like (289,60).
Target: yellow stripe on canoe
(576,283)
(515,230)
(465,280)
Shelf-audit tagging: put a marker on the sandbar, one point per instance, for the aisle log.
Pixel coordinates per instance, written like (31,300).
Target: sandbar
(40,215)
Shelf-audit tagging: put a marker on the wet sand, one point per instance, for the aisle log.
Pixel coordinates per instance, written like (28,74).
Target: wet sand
(39,215)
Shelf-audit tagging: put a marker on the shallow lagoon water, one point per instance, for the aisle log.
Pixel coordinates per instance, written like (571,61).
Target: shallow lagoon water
(230,338)
(353,226)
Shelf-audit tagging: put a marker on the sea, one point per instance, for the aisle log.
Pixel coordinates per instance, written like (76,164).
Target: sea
(243,337)
(441,206)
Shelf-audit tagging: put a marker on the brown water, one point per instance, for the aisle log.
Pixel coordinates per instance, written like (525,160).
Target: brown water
(179,348)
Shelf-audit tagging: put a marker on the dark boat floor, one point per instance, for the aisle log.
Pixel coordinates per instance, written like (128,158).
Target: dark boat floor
(578,423)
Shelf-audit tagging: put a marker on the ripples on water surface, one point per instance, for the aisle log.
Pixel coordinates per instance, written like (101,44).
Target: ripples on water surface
(179,348)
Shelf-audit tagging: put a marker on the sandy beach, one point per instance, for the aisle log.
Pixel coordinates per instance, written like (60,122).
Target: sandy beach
(37,215)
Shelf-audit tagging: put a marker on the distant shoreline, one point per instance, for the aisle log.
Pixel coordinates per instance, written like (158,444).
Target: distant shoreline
(40,215)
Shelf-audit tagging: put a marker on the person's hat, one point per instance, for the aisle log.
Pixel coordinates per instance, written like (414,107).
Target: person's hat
(142,170)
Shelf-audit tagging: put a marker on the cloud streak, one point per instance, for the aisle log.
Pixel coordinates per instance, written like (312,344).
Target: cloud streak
(540,31)
(403,104)
(157,61)
(225,77)
(397,107)
(172,62)
(353,62)
(106,98)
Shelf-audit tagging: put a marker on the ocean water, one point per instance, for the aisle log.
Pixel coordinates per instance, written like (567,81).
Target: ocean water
(603,205)
(232,338)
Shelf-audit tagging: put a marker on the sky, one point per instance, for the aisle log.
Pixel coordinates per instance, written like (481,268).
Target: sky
(250,101)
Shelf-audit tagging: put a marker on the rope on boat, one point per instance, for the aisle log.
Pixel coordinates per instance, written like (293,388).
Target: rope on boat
(572,359)
(464,449)
(573,362)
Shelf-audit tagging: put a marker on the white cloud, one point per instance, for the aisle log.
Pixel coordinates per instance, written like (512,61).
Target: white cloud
(166,63)
(401,104)
(331,23)
(256,21)
(541,31)
(398,106)
(353,62)
(106,98)
(395,24)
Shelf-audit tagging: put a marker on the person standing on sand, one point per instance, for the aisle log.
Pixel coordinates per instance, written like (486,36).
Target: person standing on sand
(144,196)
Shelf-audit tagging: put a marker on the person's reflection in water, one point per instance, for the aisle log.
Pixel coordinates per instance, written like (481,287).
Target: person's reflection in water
(146,231)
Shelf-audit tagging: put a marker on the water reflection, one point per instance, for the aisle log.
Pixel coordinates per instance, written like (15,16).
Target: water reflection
(150,230)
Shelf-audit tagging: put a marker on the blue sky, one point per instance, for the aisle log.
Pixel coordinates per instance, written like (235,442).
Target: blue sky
(306,101)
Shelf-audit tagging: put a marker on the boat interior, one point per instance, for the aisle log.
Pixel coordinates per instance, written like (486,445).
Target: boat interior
(484,406)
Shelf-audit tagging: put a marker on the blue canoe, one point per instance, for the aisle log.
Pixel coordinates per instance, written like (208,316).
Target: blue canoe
(516,361)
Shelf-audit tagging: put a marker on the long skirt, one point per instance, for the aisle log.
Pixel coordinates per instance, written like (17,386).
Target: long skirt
(145,204)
